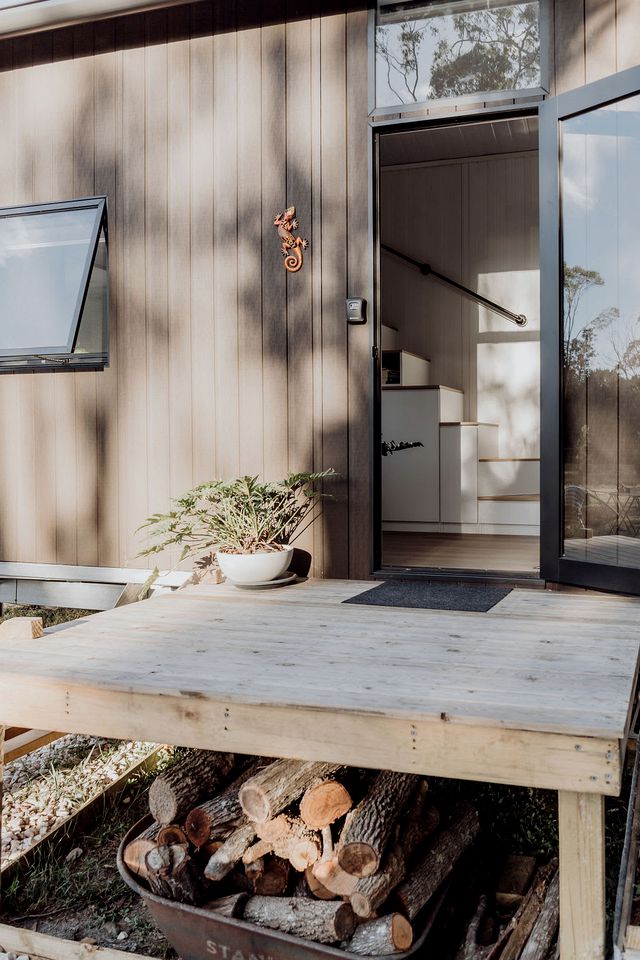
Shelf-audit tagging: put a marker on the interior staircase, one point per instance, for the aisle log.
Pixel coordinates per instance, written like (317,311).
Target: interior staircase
(457,481)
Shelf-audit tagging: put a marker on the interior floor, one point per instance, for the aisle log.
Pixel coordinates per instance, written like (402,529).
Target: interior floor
(454,551)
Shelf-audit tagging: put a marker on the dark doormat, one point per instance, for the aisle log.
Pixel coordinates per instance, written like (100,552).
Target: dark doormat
(478,598)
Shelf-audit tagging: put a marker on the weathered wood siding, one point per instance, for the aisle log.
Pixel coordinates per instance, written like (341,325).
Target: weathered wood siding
(200,123)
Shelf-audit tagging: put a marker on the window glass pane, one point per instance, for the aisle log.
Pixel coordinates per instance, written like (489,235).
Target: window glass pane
(454,49)
(601,334)
(43,257)
(92,335)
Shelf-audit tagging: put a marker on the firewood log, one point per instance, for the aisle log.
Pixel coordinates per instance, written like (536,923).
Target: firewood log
(378,938)
(323,921)
(437,862)
(470,949)
(316,887)
(171,834)
(291,839)
(327,844)
(270,791)
(230,906)
(176,791)
(324,802)
(205,821)
(334,879)
(517,931)
(267,877)
(370,892)
(272,877)
(256,852)
(513,882)
(529,912)
(545,928)
(136,851)
(173,866)
(225,858)
(363,844)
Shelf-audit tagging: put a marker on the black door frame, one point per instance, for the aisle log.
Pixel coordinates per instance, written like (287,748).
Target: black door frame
(376,130)
(553,566)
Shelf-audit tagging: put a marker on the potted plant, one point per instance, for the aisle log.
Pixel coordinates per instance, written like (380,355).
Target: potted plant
(247,525)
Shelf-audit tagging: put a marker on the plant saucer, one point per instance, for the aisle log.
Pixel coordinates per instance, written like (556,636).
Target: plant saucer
(287,577)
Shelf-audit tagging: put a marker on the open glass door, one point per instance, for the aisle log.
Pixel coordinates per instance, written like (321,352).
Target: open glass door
(590,319)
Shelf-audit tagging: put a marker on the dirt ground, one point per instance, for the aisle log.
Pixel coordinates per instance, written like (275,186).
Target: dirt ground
(78,893)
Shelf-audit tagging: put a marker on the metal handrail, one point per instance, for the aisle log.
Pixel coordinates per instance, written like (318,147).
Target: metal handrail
(427,271)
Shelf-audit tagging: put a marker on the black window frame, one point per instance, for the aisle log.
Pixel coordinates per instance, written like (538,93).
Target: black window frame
(24,360)
(554,566)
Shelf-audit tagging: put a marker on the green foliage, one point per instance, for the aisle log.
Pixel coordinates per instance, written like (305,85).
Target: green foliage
(244,515)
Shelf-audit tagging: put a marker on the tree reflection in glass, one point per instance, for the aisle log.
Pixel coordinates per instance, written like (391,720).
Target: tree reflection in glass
(452,55)
(601,334)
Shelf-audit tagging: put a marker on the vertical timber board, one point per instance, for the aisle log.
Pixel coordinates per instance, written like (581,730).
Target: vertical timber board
(250,233)
(202,173)
(299,123)
(24,426)
(64,384)
(179,253)
(156,265)
(85,381)
(275,90)
(318,567)
(50,118)
(107,63)
(8,385)
(132,353)
(359,337)
(600,38)
(582,876)
(225,238)
(627,33)
(569,44)
(335,410)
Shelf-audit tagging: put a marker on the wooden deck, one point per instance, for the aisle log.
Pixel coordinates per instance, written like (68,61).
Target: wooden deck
(536,692)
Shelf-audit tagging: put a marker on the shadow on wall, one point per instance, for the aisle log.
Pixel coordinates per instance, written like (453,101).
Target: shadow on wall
(221,363)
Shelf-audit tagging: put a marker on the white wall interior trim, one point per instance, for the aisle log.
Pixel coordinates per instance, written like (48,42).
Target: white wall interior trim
(493,529)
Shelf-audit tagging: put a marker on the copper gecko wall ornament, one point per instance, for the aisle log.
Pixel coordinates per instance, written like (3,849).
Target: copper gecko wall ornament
(292,247)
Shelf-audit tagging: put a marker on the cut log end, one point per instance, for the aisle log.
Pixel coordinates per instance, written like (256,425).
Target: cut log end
(359,859)
(198,827)
(253,800)
(324,803)
(383,936)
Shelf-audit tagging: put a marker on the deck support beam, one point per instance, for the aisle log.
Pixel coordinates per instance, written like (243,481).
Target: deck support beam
(582,876)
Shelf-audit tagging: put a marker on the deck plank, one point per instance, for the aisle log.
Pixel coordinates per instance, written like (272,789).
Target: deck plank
(497,671)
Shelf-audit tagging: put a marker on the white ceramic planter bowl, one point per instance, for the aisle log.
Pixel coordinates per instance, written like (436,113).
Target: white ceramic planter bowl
(254,567)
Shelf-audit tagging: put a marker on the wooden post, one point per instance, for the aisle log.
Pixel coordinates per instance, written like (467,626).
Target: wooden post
(582,877)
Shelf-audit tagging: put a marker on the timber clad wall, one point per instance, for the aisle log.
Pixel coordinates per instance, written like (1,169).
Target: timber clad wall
(199,123)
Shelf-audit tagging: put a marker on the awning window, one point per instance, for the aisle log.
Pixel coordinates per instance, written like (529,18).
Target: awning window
(53,285)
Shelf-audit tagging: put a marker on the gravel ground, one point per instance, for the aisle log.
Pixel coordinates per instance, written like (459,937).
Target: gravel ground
(72,889)
(43,788)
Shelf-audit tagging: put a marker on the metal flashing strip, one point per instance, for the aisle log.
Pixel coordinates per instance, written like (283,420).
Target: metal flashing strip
(66,572)
(32,16)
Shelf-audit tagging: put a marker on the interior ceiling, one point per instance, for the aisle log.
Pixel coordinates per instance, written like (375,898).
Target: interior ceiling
(459,140)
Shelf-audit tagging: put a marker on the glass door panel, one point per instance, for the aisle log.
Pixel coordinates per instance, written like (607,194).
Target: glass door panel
(591,532)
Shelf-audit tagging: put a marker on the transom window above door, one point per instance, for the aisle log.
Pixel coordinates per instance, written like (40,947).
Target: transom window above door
(449,50)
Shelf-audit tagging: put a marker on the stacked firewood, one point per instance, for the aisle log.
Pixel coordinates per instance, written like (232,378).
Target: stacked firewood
(316,850)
